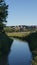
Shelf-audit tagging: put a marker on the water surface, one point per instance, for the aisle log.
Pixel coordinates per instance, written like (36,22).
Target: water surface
(20,53)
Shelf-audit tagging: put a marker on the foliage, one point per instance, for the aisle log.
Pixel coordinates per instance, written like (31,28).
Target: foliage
(3,12)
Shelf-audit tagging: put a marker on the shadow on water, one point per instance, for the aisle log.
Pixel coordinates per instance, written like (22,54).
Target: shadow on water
(5,44)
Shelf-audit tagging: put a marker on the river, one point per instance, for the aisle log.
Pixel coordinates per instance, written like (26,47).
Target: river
(20,53)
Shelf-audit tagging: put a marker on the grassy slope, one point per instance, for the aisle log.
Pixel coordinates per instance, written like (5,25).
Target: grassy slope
(5,43)
(32,39)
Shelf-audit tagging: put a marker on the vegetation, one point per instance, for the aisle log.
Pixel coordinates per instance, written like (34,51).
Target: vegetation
(32,39)
(3,13)
(9,29)
(5,42)
(18,34)
(21,28)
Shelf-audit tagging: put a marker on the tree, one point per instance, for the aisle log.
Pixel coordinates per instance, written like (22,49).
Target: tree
(3,13)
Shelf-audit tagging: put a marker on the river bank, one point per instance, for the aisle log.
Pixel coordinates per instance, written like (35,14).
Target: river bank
(32,40)
(5,43)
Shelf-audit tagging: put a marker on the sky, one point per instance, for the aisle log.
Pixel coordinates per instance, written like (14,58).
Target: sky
(22,12)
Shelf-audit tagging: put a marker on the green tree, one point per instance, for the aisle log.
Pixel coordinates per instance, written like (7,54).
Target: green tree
(3,13)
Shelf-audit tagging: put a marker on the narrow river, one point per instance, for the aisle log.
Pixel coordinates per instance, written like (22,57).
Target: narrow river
(20,53)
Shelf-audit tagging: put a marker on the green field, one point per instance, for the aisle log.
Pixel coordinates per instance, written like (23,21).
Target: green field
(19,34)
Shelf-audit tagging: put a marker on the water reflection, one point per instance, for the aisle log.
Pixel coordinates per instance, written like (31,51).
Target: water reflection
(20,53)
(4,52)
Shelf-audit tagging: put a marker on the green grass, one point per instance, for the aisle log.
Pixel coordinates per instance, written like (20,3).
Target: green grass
(18,34)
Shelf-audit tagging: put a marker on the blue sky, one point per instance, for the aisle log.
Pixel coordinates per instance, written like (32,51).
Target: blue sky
(22,12)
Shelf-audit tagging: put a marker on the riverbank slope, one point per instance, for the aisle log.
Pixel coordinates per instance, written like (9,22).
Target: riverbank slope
(5,43)
(32,40)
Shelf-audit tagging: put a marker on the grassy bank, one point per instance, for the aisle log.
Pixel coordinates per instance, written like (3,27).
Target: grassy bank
(32,39)
(5,43)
